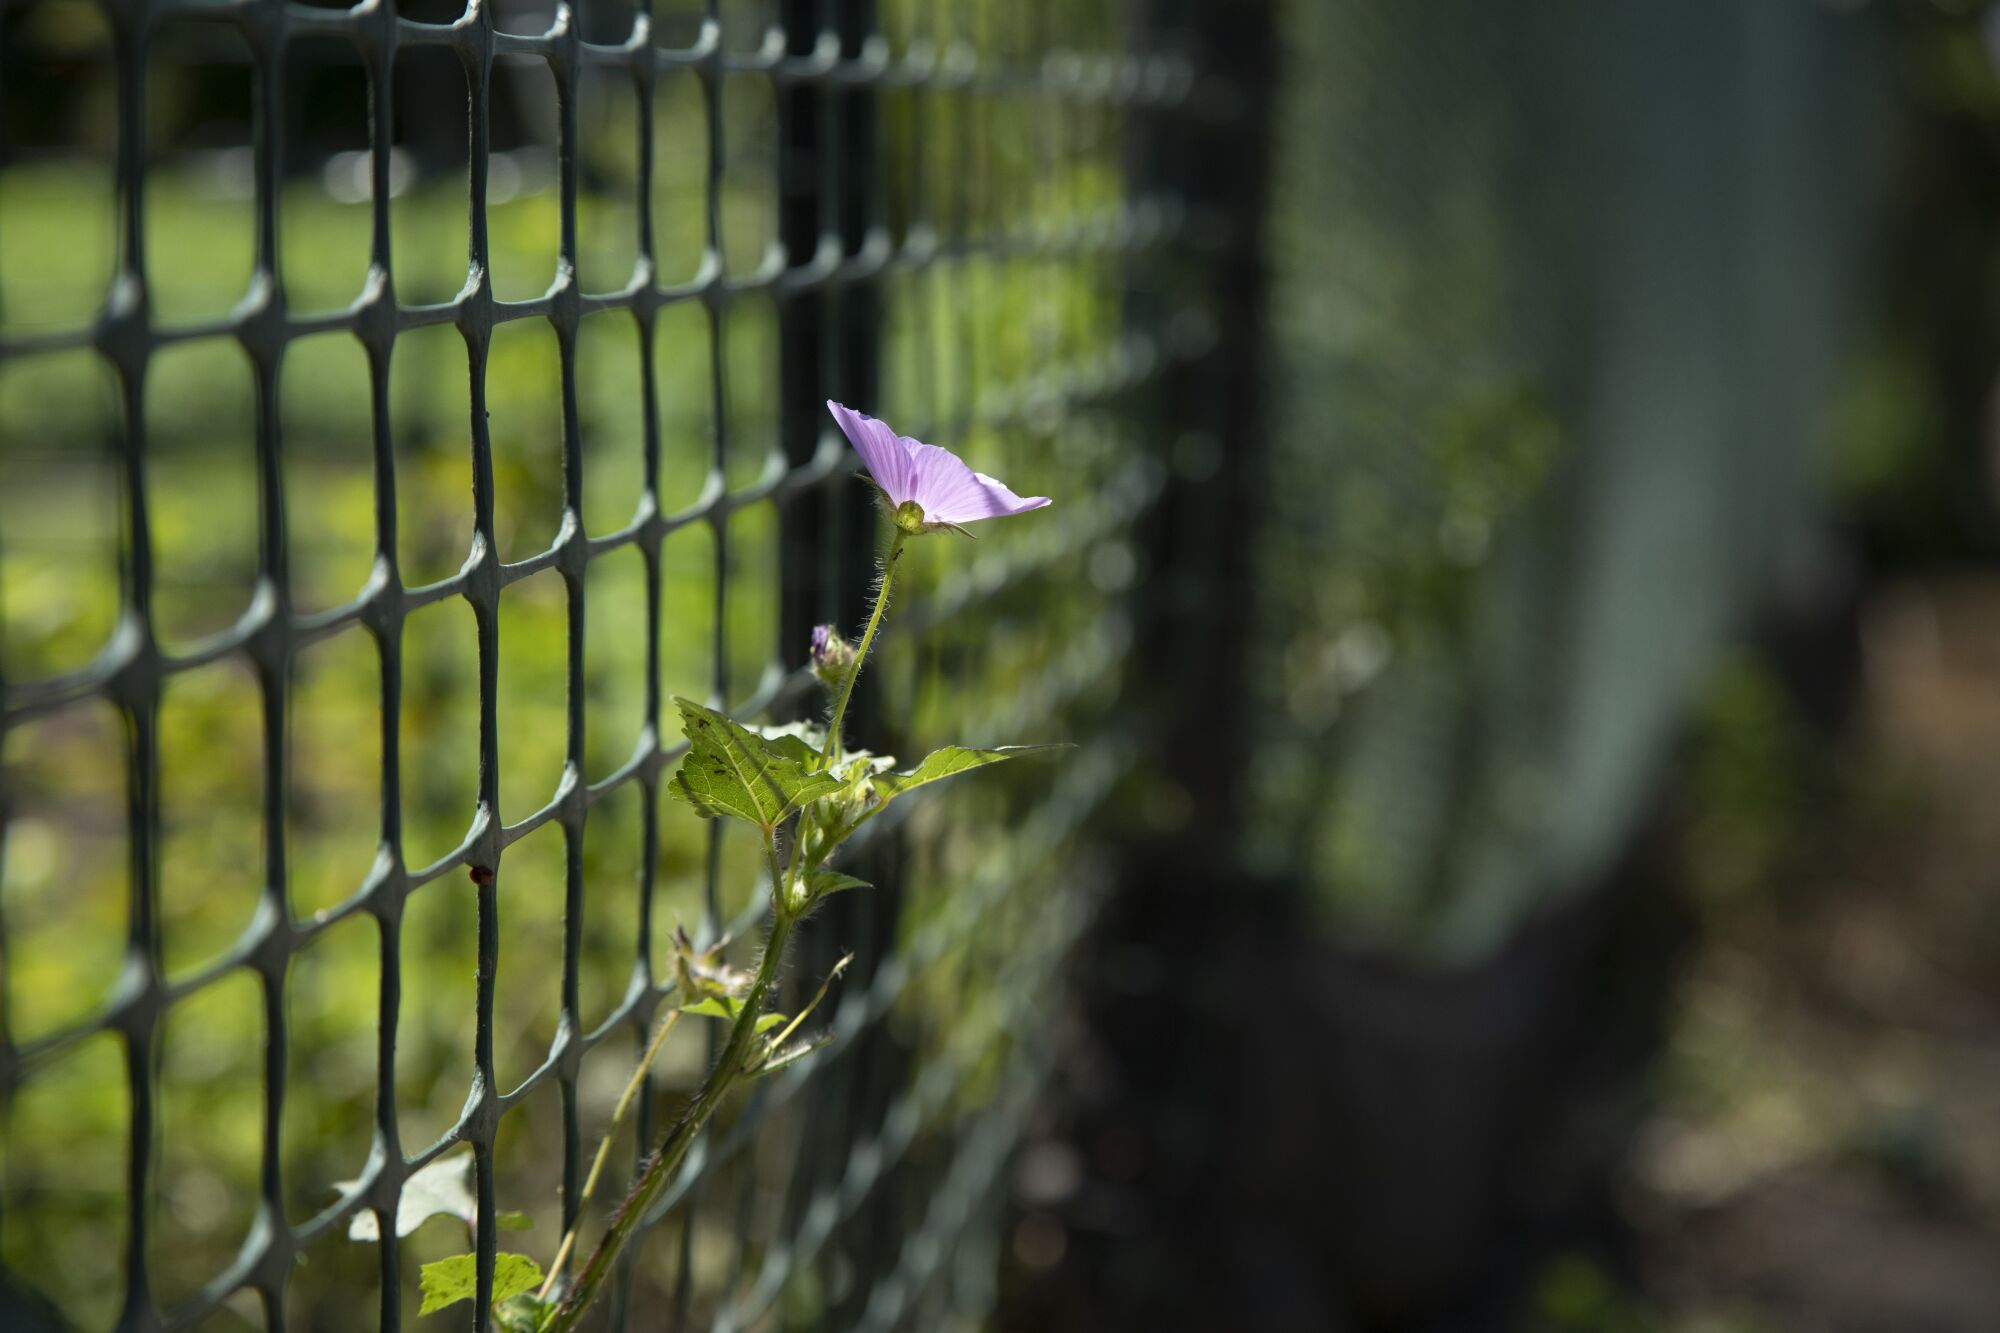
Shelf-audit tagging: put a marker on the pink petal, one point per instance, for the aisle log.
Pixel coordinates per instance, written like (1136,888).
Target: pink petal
(950,492)
(888,462)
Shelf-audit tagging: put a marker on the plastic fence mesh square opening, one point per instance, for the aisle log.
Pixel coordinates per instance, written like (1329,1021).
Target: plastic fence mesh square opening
(399,406)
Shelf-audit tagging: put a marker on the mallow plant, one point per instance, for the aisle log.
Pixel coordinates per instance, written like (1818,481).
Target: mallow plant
(806,793)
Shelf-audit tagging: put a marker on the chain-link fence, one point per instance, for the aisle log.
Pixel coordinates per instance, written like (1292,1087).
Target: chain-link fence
(351,537)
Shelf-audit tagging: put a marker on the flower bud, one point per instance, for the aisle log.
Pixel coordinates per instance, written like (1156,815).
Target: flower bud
(832,656)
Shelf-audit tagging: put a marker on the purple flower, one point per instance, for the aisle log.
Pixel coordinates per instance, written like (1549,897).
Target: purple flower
(944,491)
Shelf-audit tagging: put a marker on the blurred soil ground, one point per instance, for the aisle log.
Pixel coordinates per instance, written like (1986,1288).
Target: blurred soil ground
(1824,1151)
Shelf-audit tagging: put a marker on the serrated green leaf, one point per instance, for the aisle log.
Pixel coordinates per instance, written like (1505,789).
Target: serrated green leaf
(949,762)
(819,883)
(514,1275)
(731,770)
(727,1009)
(449,1281)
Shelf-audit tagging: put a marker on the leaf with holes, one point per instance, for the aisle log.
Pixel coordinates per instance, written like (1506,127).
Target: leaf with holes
(731,770)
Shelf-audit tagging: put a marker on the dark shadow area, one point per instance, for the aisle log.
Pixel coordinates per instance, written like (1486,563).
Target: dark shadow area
(1622,958)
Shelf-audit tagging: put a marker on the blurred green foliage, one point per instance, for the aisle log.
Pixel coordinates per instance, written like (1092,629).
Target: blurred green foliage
(1575,1295)
(1417,426)
(1749,754)
(1911,462)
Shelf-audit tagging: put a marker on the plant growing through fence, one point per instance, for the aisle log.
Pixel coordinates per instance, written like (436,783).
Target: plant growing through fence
(806,793)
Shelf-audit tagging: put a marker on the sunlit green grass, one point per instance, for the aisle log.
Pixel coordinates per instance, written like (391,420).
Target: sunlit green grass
(61,531)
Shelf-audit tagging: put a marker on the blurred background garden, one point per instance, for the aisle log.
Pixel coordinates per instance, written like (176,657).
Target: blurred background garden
(1521,579)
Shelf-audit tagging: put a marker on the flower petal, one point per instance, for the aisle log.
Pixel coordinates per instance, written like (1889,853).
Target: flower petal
(887,460)
(950,492)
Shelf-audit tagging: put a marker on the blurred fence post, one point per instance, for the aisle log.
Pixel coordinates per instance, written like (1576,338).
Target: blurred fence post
(1212,418)
(1160,946)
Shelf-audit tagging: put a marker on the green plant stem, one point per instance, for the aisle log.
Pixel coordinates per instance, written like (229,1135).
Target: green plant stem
(781,892)
(833,741)
(666,1159)
(583,1197)
(729,1068)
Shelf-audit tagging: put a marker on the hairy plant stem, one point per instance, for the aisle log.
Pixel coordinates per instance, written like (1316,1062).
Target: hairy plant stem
(728,1070)
(583,1197)
(833,741)
(667,1158)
